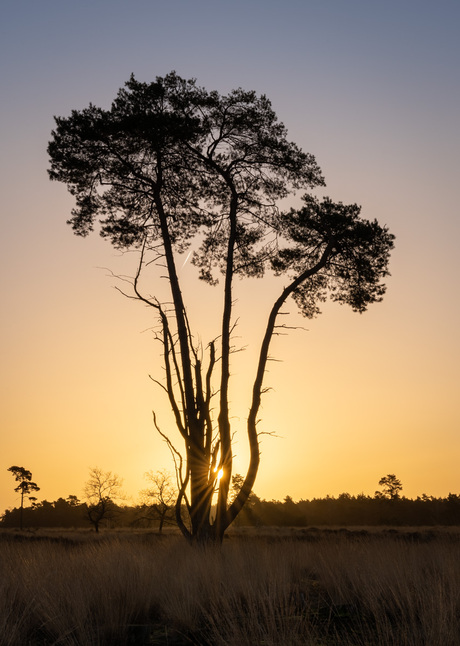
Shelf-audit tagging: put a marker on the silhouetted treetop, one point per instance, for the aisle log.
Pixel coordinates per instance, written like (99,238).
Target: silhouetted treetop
(175,138)
(357,261)
(391,486)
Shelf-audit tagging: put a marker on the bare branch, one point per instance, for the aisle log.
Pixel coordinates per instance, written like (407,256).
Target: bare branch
(181,481)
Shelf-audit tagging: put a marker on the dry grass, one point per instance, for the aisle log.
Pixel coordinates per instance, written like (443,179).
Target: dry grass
(318,589)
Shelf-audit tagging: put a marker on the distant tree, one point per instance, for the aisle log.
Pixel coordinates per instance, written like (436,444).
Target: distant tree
(237,484)
(160,498)
(73,501)
(247,515)
(391,487)
(172,167)
(101,491)
(25,487)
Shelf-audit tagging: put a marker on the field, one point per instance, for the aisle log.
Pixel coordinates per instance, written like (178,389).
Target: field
(283,588)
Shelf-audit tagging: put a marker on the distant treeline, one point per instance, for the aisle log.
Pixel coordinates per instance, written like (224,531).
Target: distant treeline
(354,510)
(345,510)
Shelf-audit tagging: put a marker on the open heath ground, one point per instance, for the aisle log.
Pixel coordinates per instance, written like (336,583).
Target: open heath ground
(281,588)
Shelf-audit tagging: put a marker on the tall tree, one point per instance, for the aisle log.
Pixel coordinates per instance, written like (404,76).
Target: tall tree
(25,487)
(172,166)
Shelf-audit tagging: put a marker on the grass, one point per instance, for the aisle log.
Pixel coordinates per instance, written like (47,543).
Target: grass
(285,588)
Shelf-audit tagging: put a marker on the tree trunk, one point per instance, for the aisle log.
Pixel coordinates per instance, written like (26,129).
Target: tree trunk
(21,510)
(200,494)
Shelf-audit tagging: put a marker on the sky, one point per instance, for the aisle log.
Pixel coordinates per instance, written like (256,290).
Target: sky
(372,90)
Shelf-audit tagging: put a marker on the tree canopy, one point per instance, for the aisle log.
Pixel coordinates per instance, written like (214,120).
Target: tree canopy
(171,167)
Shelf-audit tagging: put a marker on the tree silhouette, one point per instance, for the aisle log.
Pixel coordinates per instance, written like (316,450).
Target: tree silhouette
(160,498)
(171,167)
(391,487)
(246,515)
(101,490)
(25,487)
(73,501)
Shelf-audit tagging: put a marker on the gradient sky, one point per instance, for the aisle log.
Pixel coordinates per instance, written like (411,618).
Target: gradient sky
(372,89)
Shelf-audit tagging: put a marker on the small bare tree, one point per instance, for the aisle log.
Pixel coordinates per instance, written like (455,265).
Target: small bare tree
(158,501)
(101,491)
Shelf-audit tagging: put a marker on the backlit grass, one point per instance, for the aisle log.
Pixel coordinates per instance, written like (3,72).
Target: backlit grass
(315,588)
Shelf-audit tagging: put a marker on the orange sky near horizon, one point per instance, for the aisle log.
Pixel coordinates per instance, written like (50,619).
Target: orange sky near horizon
(374,95)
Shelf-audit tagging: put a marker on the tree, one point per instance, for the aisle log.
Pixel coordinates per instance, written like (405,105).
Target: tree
(171,167)
(73,501)
(391,487)
(246,515)
(101,491)
(160,498)
(25,487)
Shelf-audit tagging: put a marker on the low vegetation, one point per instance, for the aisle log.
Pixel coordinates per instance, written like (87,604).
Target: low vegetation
(284,587)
